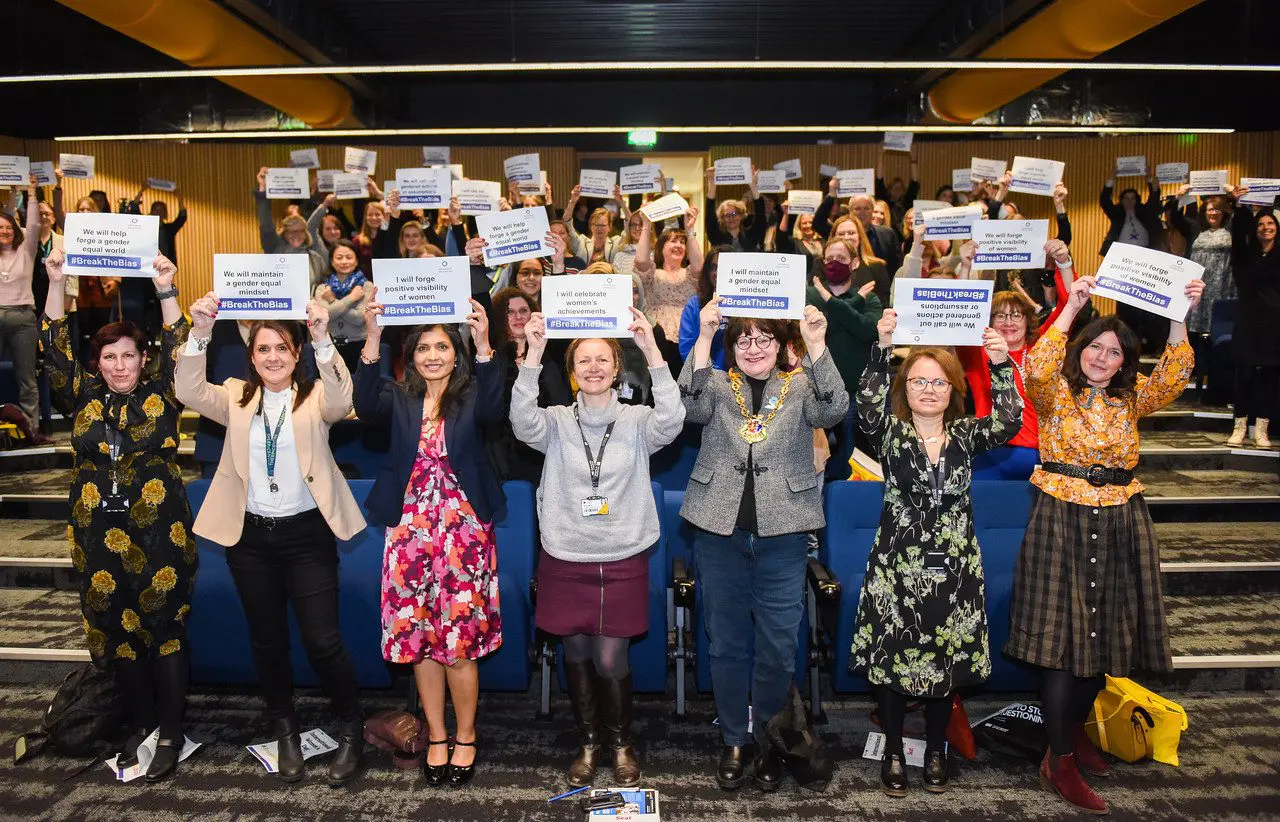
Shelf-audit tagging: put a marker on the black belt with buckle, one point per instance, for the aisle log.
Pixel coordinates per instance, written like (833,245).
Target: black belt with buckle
(275,522)
(1096,475)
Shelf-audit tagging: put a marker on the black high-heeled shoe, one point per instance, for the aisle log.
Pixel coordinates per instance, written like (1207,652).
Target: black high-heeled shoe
(129,753)
(893,775)
(460,775)
(165,762)
(435,774)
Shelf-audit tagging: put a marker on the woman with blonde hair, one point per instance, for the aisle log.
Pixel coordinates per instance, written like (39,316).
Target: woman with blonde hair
(731,227)
(921,629)
(293,236)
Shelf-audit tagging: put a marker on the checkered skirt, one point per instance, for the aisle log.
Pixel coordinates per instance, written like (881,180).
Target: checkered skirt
(1087,593)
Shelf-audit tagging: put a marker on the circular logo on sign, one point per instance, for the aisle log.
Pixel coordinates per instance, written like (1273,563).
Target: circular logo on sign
(444,263)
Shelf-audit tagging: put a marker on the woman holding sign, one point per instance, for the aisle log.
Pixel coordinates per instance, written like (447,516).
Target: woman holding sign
(921,629)
(754,497)
(598,519)
(279,504)
(344,295)
(293,237)
(19,335)
(670,272)
(130,530)
(438,498)
(1255,342)
(1087,598)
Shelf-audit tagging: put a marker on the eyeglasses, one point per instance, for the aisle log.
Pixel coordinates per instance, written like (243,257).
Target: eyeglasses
(762,342)
(1002,316)
(920,383)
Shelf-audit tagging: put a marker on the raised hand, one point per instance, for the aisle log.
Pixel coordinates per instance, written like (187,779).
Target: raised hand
(262,179)
(478,322)
(813,328)
(1058,250)
(886,326)
(372,310)
(996,345)
(475,250)
(53,266)
(1194,290)
(165,271)
(535,335)
(642,330)
(203,312)
(709,319)
(1059,193)
(1080,290)
(317,320)
(557,244)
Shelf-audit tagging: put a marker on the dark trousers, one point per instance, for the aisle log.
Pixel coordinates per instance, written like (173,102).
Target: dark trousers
(294,563)
(1257,391)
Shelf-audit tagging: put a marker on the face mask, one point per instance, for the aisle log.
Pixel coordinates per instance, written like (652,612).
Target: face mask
(837,272)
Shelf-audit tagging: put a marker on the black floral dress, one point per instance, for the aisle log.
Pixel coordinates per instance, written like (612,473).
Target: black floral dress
(137,569)
(921,627)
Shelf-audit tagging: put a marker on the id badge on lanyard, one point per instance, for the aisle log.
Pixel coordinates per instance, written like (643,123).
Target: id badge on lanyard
(594,505)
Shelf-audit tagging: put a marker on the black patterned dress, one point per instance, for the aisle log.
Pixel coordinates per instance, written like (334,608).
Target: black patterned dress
(921,627)
(137,569)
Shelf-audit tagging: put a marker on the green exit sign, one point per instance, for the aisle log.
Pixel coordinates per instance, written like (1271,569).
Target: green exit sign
(643,137)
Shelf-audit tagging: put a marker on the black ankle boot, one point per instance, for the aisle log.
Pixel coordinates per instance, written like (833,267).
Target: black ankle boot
(165,762)
(290,766)
(129,753)
(615,704)
(730,771)
(347,761)
(893,774)
(581,680)
(768,775)
(936,770)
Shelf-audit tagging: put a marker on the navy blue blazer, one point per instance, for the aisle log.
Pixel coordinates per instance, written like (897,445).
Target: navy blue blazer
(381,401)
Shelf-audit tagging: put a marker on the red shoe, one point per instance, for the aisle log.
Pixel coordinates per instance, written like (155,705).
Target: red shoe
(1088,757)
(1059,774)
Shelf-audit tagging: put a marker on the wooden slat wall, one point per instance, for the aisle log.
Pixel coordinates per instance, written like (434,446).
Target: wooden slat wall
(217,181)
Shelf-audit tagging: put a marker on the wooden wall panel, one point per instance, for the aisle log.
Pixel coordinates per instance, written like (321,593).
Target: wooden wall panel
(217,181)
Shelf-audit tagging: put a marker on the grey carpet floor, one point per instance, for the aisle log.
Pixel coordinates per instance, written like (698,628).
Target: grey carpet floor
(1230,770)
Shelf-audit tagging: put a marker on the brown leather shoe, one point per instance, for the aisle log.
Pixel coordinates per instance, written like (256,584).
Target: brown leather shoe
(1059,774)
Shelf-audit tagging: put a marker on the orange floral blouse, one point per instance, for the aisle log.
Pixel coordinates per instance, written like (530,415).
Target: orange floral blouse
(1091,428)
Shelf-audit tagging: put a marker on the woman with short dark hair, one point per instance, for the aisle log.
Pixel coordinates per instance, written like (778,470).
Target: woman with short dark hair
(1087,597)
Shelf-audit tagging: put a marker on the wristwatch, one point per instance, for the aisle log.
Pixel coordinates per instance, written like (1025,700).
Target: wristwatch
(164,295)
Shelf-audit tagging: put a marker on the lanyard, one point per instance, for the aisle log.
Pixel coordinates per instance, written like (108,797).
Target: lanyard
(593,465)
(273,437)
(936,473)
(114,445)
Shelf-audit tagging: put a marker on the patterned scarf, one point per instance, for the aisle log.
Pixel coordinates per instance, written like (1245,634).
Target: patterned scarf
(342,288)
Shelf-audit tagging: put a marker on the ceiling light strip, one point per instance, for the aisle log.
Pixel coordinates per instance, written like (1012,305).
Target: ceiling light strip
(302,135)
(643,66)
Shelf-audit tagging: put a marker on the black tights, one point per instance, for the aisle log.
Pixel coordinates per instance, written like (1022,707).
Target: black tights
(893,711)
(155,692)
(609,653)
(1257,391)
(1065,702)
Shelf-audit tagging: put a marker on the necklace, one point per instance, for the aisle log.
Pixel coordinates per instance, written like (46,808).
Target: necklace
(931,439)
(754,428)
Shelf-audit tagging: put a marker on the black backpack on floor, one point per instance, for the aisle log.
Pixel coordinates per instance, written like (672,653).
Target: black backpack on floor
(82,720)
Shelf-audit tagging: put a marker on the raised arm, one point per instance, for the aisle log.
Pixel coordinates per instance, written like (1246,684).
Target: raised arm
(873,388)
(335,379)
(828,402)
(1005,419)
(695,379)
(529,422)
(644,264)
(316,220)
(190,384)
(692,245)
(266,226)
(65,374)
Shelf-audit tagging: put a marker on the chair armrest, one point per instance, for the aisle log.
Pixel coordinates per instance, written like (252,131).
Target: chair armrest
(684,585)
(825,586)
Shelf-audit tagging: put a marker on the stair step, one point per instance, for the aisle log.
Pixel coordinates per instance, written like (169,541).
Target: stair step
(1214,629)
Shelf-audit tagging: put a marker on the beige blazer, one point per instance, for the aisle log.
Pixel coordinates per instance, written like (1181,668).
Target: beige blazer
(221,517)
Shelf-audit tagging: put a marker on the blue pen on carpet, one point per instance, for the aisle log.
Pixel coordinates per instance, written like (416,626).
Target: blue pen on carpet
(570,793)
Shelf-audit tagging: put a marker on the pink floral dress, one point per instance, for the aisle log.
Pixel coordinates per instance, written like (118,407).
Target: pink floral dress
(439,569)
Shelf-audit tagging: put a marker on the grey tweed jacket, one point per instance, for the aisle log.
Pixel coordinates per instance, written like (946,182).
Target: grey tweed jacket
(788,490)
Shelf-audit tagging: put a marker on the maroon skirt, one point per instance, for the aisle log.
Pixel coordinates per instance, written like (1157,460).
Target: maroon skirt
(595,598)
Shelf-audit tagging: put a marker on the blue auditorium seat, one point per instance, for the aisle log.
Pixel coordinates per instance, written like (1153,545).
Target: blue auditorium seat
(671,466)
(509,668)
(1000,514)
(853,516)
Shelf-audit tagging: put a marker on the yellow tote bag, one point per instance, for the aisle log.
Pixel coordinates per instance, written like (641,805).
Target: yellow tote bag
(1132,722)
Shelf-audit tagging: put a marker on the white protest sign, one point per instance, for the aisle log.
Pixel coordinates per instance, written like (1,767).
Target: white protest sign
(587,305)
(314,743)
(79,166)
(477,196)
(598,184)
(733,171)
(980,169)
(962,179)
(771,182)
(304,158)
(941,312)
(362,160)
(921,206)
(898,140)
(762,285)
(111,245)
(1175,173)
(157,184)
(522,168)
(350,185)
(324,180)
(289,183)
(1262,190)
(262,286)
(640,179)
(827,170)
(1009,244)
(389,186)
(670,205)
(423,289)
(1208,183)
(1144,278)
(455,170)
(15,170)
(518,234)
(435,155)
(424,187)
(951,223)
(1135,166)
(789,167)
(856,181)
(804,202)
(1032,175)
(44,173)
(536,187)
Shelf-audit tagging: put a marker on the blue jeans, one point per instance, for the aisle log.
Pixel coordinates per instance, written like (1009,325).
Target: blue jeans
(746,579)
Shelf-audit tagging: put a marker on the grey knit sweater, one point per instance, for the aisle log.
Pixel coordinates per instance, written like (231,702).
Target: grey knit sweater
(631,525)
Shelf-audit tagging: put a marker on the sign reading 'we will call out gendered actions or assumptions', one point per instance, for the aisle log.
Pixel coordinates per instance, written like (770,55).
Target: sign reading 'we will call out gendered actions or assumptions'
(941,312)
